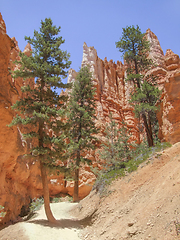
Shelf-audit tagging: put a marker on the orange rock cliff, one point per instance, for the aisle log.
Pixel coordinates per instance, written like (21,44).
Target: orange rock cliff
(20,177)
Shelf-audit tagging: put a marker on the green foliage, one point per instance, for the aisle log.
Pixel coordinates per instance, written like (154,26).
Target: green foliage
(36,204)
(41,107)
(2,213)
(139,155)
(116,147)
(147,96)
(177,227)
(56,200)
(144,102)
(135,49)
(81,118)
(62,199)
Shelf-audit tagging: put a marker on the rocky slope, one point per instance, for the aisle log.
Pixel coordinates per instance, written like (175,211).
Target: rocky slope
(142,205)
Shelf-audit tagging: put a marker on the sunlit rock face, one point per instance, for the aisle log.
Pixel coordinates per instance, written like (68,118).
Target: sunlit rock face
(13,171)
(156,52)
(167,70)
(169,115)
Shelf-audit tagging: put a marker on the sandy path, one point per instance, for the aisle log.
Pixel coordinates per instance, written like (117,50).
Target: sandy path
(67,229)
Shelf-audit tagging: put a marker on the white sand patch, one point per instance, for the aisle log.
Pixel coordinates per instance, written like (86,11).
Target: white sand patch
(39,228)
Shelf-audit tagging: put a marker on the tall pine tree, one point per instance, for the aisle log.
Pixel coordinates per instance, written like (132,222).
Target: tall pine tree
(135,49)
(82,122)
(42,107)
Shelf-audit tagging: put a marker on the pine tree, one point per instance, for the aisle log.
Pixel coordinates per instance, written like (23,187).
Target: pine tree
(82,122)
(42,108)
(135,49)
(117,147)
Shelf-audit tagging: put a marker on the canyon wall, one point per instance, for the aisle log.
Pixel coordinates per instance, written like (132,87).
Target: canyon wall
(15,172)
(169,115)
(19,176)
(168,72)
(11,145)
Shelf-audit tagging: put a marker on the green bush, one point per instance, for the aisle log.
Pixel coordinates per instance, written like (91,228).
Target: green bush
(62,199)
(139,155)
(56,200)
(36,204)
(2,213)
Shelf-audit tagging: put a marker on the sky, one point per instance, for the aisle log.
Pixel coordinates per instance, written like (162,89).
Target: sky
(99,23)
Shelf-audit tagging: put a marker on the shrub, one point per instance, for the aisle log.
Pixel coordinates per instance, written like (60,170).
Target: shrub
(2,213)
(36,204)
(139,155)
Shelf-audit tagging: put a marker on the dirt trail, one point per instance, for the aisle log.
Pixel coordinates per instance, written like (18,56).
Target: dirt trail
(38,228)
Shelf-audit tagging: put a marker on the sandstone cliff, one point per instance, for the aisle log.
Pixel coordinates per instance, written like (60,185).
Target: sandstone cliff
(169,116)
(15,172)
(168,72)
(12,192)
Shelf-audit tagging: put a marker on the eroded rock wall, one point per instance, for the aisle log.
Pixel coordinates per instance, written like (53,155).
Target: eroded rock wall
(169,115)
(167,70)
(12,189)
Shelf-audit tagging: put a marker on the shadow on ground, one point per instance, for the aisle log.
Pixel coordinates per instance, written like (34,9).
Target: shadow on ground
(66,223)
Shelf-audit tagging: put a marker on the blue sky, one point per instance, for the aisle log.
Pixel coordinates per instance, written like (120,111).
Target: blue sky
(99,23)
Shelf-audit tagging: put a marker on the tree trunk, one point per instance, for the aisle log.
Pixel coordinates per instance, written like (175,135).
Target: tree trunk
(148,132)
(47,208)
(76,186)
(76,181)
(150,129)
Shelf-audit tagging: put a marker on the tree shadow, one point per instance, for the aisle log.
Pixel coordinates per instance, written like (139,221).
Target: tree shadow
(65,223)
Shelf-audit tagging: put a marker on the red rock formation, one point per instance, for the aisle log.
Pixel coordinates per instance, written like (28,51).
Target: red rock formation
(169,116)
(168,72)
(12,192)
(156,52)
